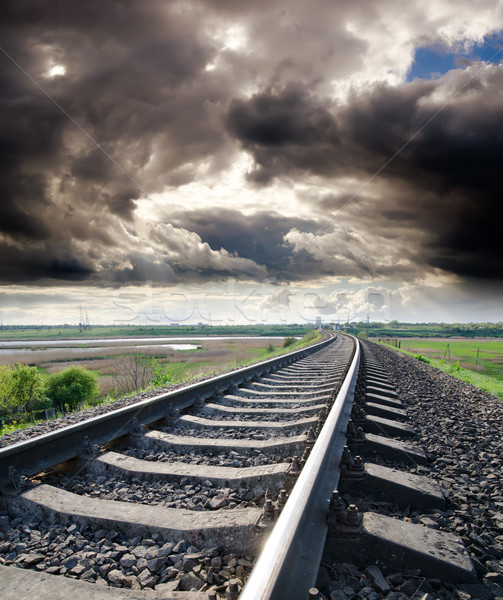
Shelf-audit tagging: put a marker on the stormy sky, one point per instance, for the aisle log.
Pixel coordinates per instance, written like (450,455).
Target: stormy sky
(251,161)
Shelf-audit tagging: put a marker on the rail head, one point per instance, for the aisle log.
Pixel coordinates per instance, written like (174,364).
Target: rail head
(288,564)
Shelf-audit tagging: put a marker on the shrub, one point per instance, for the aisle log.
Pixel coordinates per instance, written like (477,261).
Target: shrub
(421,358)
(288,342)
(132,373)
(455,368)
(71,387)
(161,375)
(22,389)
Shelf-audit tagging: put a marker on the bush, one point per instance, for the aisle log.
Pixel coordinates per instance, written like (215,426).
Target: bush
(133,373)
(22,389)
(288,342)
(421,358)
(43,403)
(161,375)
(455,368)
(69,388)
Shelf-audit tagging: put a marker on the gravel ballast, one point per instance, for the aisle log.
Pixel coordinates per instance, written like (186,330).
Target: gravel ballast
(460,427)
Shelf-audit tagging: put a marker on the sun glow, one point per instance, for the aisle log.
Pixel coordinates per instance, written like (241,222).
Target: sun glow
(57,71)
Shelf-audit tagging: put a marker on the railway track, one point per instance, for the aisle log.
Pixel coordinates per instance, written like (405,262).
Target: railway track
(250,480)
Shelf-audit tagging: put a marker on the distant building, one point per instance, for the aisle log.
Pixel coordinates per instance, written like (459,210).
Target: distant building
(318,322)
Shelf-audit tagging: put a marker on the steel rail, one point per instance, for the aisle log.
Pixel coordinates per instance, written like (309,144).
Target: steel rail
(36,454)
(288,564)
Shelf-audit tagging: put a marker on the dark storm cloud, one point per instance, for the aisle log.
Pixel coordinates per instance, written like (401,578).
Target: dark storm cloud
(259,237)
(445,184)
(132,84)
(40,264)
(286,131)
(161,87)
(296,131)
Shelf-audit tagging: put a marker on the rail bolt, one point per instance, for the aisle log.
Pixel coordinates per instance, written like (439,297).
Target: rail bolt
(282,498)
(358,464)
(360,434)
(355,435)
(346,459)
(352,468)
(343,522)
(337,508)
(232,591)
(353,517)
(268,512)
(358,415)
(295,465)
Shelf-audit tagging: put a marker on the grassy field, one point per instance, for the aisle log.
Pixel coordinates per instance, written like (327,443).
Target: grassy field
(459,358)
(213,356)
(482,356)
(74,333)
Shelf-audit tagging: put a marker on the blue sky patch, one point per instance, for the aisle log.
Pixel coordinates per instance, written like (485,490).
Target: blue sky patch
(431,62)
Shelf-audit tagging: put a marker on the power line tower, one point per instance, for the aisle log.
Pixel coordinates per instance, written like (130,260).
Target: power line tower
(81,319)
(87,326)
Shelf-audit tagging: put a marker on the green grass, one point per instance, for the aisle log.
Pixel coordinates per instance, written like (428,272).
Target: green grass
(16,426)
(72,332)
(185,371)
(490,354)
(487,383)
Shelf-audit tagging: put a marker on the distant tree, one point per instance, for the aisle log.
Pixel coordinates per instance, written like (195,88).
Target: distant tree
(71,387)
